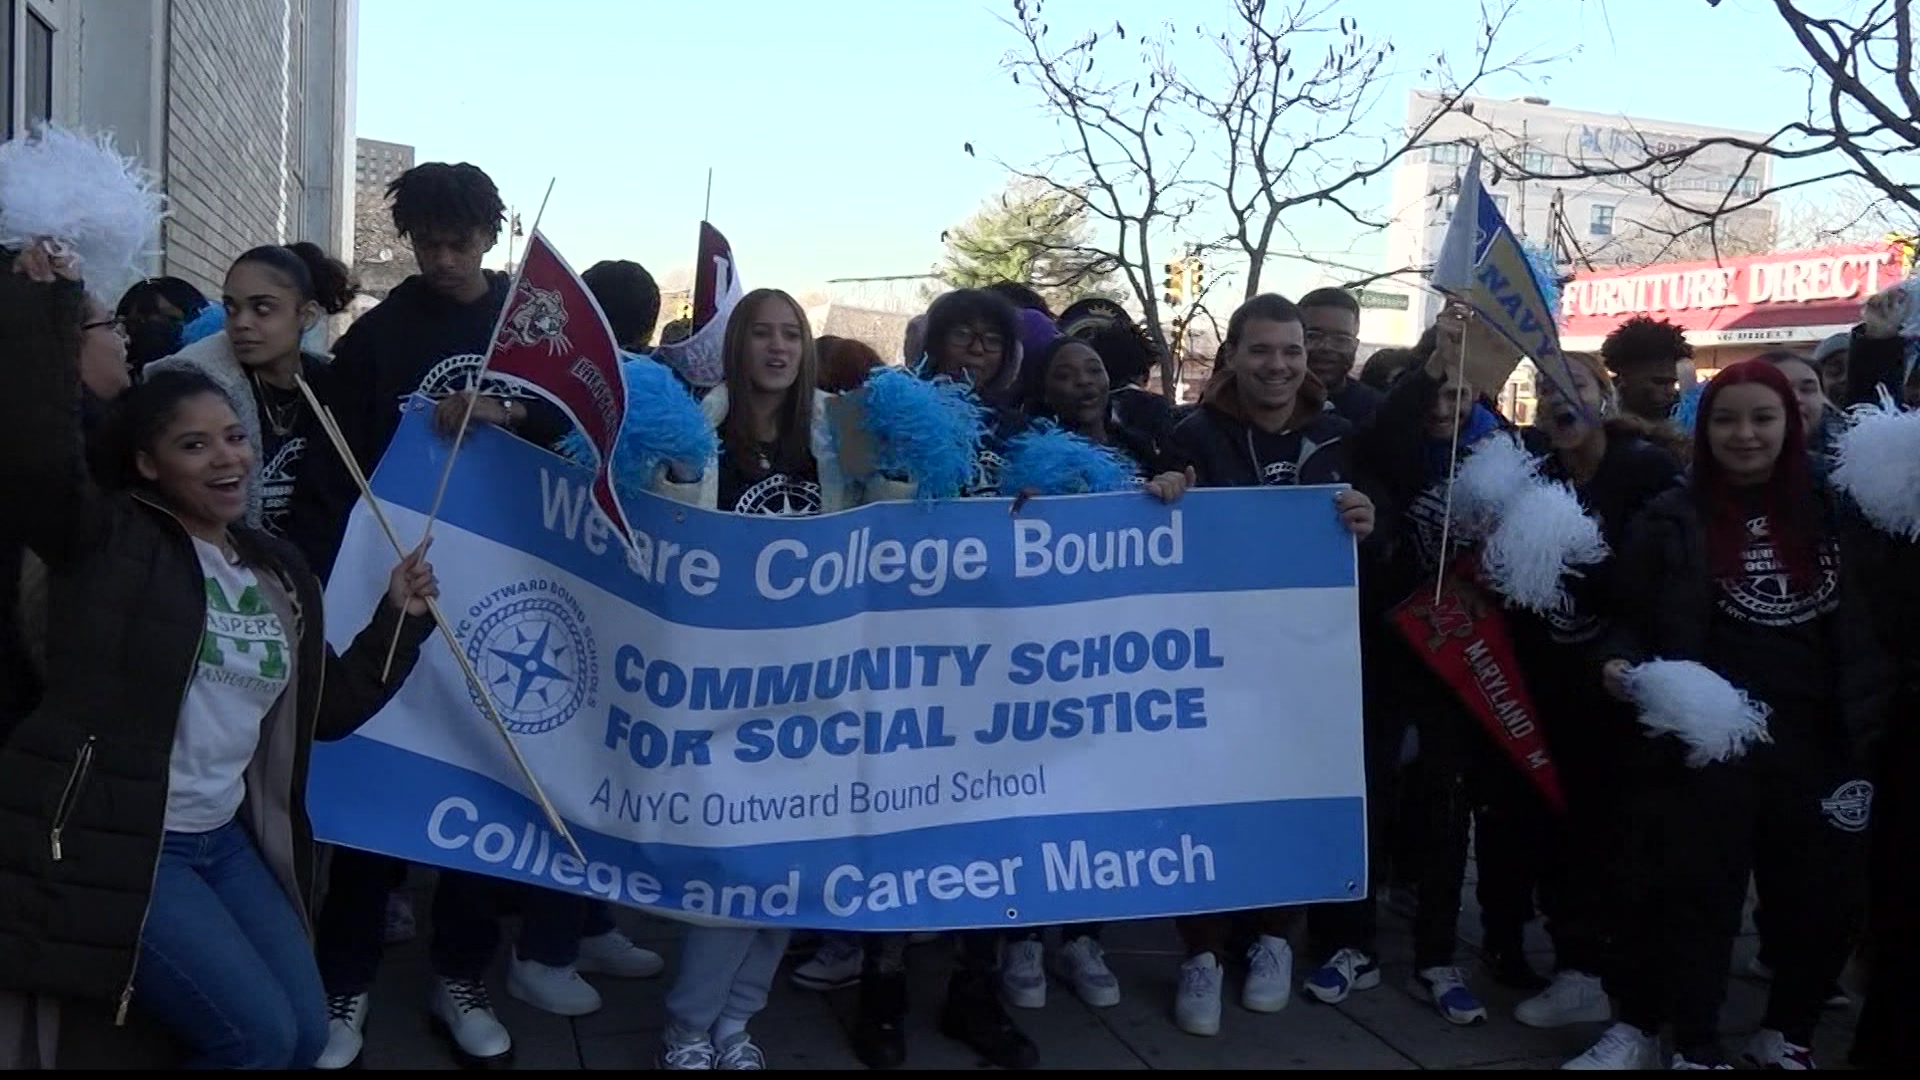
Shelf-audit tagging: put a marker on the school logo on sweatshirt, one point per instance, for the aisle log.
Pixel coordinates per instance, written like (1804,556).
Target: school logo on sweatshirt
(780,495)
(277,478)
(1762,594)
(1850,806)
(455,373)
(1280,474)
(986,476)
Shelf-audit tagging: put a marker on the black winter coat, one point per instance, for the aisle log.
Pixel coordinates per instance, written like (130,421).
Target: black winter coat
(87,770)
(1666,592)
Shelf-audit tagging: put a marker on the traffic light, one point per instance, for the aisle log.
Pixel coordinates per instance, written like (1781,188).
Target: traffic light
(1195,268)
(1176,283)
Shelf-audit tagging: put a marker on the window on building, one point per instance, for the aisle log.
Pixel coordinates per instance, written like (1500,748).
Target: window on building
(1600,222)
(36,68)
(26,61)
(1447,154)
(1536,162)
(6,65)
(1500,204)
(1749,187)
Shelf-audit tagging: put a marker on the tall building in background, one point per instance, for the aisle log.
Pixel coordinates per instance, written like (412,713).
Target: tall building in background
(242,108)
(377,164)
(381,259)
(1605,221)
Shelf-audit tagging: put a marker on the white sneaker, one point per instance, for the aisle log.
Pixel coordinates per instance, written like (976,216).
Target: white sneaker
(1620,1047)
(1769,1049)
(1023,975)
(1574,997)
(739,1052)
(834,966)
(1344,973)
(1269,984)
(612,954)
(686,1050)
(346,1021)
(464,1008)
(557,990)
(1447,988)
(1682,1064)
(1196,1005)
(1082,964)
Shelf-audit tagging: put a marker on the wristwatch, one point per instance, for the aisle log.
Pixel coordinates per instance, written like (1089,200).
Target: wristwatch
(506,408)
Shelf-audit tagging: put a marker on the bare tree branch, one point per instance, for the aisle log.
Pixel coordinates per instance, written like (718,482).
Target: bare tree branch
(1285,121)
(1861,122)
(1299,142)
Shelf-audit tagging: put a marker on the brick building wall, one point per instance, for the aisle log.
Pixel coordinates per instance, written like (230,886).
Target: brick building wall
(235,91)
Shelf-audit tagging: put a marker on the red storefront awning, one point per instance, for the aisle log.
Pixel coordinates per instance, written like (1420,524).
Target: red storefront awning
(1783,296)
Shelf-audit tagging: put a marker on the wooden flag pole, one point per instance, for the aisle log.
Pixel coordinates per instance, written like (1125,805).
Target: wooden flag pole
(473,398)
(332,429)
(1453,462)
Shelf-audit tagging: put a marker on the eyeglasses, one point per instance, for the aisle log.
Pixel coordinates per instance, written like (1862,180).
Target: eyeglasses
(966,337)
(116,324)
(1328,337)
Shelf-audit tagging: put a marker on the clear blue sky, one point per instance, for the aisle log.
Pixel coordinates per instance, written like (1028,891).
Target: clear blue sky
(834,127)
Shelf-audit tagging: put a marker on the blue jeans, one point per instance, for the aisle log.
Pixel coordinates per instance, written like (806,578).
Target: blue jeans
(224,962)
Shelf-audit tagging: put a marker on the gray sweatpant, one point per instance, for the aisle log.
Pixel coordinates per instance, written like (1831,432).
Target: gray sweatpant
(724,971)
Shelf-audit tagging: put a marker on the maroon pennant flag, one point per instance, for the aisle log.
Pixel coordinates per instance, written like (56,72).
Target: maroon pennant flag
(716,289)
(1464,639)
(555,339)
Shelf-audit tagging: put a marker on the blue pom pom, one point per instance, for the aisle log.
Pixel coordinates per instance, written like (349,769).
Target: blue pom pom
(577,449)
(1049,460)
(1688,407)
(663,424)
(211,320)
(927,430)
(1540,261)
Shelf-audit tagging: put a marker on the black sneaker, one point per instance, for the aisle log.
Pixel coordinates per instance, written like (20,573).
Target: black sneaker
(975,1017)
(879,1037)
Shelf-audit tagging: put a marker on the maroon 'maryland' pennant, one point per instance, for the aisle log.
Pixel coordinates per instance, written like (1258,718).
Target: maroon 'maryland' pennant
(1464,639)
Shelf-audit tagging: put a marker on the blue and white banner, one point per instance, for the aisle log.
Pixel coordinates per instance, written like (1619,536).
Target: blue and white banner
(900,717)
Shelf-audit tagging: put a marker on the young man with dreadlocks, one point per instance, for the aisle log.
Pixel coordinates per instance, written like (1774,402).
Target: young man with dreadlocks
(429,336)
(1644,355)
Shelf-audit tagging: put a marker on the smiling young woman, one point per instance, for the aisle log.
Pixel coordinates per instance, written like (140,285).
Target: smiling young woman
(176,883)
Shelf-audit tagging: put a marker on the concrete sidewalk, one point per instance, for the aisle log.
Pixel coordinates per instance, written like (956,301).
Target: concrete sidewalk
(1387,1028)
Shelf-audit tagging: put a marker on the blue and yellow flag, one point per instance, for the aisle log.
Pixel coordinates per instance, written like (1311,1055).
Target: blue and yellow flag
(1483,265)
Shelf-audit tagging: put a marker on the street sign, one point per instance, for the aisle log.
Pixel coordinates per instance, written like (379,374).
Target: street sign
(1375,298)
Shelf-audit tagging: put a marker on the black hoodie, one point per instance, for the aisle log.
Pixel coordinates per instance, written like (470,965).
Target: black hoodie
(1632,471)
(1223,450)
(417,340)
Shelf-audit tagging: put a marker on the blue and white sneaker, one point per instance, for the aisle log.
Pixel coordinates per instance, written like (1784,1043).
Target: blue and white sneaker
(1346,971)
(1446,987)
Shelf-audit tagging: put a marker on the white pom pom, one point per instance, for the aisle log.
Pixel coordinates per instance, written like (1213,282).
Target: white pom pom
(79,192)
(1878,466)
(1497,471)
(1542,534)
(1703,710)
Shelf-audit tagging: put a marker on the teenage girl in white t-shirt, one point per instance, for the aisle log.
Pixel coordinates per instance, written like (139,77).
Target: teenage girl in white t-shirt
(154,845)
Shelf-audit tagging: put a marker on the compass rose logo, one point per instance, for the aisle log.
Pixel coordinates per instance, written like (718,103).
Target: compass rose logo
(535,657)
